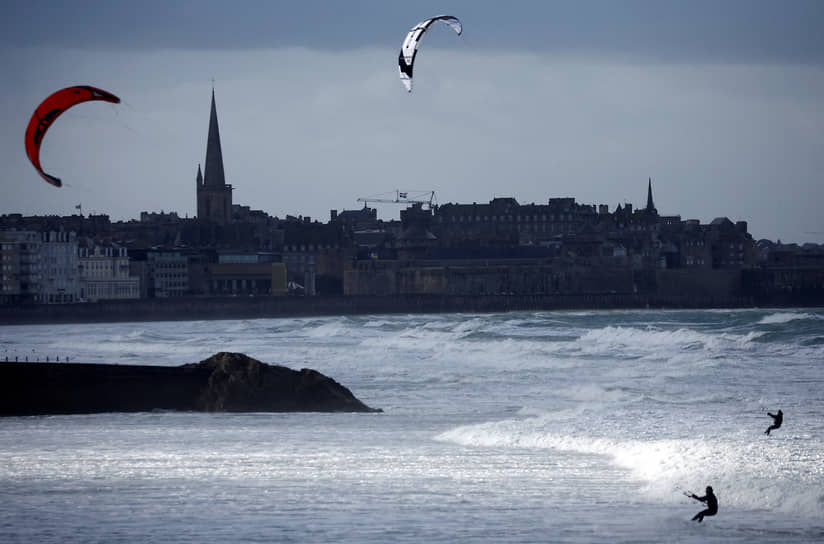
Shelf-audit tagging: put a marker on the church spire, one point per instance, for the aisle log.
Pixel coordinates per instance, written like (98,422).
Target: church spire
(214,195)
(650,206)
(199,179)
(213,175)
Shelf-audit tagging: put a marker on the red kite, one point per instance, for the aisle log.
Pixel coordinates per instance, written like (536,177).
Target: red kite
(49,110)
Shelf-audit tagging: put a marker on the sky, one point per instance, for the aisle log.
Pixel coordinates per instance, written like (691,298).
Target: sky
(721,104)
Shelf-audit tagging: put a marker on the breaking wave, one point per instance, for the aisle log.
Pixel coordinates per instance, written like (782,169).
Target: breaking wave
(746,473)
(785,317)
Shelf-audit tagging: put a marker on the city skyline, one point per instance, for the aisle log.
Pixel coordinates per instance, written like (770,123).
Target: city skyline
(726,118)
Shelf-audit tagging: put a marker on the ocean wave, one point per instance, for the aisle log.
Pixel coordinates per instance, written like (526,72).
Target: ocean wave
(137,336)
(244,325)
(745,473)
(786,317)
(378,324)
(325,330)
(638,342)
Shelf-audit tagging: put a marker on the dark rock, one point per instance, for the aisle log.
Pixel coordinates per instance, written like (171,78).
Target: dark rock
(231,382)
(239,383)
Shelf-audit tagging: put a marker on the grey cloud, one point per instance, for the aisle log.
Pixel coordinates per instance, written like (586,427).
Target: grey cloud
(668,30)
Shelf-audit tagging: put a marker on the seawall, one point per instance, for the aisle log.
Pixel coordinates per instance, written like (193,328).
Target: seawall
(196,308)
(205,308)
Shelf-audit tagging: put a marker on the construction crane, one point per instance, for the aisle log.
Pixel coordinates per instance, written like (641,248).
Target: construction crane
(403,197)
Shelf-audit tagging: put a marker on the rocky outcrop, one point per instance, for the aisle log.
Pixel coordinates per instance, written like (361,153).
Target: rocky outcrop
(239,383)
(225,382)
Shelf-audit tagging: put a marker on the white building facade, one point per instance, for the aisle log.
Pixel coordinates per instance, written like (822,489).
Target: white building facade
(104,273)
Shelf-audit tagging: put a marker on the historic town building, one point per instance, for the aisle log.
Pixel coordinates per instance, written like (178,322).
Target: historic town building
(501,247)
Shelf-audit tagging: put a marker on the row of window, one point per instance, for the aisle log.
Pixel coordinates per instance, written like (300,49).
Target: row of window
(48,259)
(299,258)
(112,290)
(60,298)
(103,252)
(565,227)
(170,284)
(309,247)
(501,218)
(171,275)
(60,271)
(98,265)
(235,285)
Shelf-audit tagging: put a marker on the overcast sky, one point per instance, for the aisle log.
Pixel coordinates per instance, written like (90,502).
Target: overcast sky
(721,103)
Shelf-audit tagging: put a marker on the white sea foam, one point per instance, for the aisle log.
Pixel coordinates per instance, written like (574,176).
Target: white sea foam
(552,411)
(785,317)
(241,326)
(635,342)
(377,323)
(745,473)
(325,330)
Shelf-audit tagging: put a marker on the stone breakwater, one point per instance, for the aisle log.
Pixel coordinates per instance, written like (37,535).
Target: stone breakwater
(197,308)
(225,382)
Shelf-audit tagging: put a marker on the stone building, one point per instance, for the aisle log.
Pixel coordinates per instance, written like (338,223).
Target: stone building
(499,247)
(238,273)
(104,272)
(21,269)
(314,254)
(163,273)
(503,222)
(60,279)
(561,247)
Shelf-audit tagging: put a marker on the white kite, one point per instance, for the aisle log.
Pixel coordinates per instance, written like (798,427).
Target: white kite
(409,50)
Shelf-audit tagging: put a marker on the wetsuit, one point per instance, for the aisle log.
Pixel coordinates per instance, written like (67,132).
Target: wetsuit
(712,505)
(778,420)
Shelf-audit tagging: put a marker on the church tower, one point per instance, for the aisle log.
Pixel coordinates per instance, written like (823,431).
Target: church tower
(650,209)
(214,195)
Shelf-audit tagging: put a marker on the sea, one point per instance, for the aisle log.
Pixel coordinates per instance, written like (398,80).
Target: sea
(568,426)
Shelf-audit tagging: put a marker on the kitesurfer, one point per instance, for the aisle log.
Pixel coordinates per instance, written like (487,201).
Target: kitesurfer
(778,419)
(712,505)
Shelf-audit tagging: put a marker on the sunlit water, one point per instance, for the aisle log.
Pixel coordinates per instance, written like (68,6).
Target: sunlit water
(520,427)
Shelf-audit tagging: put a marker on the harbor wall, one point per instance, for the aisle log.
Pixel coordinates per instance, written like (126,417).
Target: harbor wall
(669,289)
(271,307)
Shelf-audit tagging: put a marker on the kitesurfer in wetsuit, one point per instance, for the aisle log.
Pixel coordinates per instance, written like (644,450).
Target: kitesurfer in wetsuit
(778,419)
(712,505)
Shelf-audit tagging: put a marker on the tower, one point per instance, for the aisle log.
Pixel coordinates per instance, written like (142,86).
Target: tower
(214,195)
(650,206)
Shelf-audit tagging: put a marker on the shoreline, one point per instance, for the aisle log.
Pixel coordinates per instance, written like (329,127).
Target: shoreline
(215,308)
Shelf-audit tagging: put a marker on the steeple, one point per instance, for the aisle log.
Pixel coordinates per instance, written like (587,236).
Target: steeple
(214,195)
(650,206)
(213,169)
